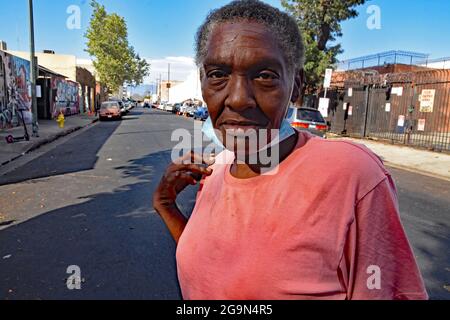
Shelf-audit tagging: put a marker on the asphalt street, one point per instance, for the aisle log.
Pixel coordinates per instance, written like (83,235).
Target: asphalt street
(86,201)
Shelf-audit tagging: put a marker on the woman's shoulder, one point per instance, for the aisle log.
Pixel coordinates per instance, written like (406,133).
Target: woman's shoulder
(341,151)
(340,161)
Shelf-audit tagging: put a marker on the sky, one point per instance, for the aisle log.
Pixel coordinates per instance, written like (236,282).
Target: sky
(163,31)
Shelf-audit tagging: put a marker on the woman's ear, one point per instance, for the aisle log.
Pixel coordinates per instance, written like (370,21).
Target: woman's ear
(298,85)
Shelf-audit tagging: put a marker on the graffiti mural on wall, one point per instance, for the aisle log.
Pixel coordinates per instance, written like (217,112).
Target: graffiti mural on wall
(14,90)
(66,98)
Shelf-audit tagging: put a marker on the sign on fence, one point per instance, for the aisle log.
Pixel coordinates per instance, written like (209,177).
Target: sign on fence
(421,125)
(427,100)
(323,106)
(397,90)
(388,107)
(401,121)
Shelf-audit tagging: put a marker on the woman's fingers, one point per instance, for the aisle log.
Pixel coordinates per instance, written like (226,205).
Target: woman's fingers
(183,172)
(194,158)
(194,168)
(188,178)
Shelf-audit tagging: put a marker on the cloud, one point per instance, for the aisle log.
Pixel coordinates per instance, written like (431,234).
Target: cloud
(87,62)
(180,68)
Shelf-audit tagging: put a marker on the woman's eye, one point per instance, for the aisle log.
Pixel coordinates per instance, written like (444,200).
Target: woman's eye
(217,75)
(266,76)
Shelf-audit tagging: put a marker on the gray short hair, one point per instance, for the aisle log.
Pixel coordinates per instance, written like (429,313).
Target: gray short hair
(280,23)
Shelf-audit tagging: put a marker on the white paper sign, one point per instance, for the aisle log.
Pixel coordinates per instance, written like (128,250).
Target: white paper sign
(38,91)
(388,107)
(397,90)
(350,110)
(427,100)
(327,81)
(421,125)
(323,106)
(345,106)
(350,92)
(401,121)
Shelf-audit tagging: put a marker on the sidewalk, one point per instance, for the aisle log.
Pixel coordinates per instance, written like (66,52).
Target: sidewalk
(429,163)
(48,132)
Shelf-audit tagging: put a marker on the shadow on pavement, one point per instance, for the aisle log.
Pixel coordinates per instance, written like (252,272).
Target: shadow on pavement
(65,158)
(125,251)
(122,247)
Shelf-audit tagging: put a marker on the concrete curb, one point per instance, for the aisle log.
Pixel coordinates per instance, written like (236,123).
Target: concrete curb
(415,170)
(48,140)
(410,168)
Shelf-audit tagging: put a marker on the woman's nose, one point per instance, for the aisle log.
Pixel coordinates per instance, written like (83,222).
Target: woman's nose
(240,94)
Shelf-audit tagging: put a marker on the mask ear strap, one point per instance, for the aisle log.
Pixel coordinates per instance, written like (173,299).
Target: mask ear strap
(290,103)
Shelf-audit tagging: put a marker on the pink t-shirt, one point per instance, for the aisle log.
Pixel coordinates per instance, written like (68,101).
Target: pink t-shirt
(326,226)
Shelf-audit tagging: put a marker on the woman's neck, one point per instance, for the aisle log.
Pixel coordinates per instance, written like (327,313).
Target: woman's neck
(247,171)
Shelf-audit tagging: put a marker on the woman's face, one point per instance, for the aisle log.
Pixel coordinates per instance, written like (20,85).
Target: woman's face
(246,81)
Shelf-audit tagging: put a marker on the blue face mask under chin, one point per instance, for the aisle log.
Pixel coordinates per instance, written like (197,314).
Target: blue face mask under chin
(286,131)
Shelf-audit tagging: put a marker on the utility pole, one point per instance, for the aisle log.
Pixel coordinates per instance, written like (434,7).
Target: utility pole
(168,85)
(33,73)
(160,87)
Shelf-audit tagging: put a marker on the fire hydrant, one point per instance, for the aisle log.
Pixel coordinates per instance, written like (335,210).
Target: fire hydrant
(61,119)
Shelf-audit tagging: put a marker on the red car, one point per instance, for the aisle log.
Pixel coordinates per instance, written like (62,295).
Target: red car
(110,110)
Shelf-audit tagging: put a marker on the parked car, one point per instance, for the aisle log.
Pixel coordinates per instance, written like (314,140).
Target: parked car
(123,108)
(201,113)
(110,110)
(168,107)
(190,111)
(307,119)
(177,108)
(183,109)
(147,104)
(128,105)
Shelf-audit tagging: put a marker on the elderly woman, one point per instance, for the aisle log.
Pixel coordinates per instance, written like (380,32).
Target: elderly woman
(325,225)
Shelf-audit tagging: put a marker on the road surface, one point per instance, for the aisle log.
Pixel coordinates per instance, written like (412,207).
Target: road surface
(85,201)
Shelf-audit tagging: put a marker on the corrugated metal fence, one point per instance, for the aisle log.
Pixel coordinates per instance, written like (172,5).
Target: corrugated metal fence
(411,108)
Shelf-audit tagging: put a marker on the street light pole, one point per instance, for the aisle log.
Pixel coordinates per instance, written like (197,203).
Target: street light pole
(33,75)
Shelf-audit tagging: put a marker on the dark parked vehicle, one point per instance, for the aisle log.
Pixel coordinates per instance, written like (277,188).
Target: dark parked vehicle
(147,104)
(177,108)
(308,119)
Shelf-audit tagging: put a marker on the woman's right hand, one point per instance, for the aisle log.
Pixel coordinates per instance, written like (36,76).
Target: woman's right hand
(180,174)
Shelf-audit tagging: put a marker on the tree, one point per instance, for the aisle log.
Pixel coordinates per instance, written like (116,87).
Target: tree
(114,59)
(320,23)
